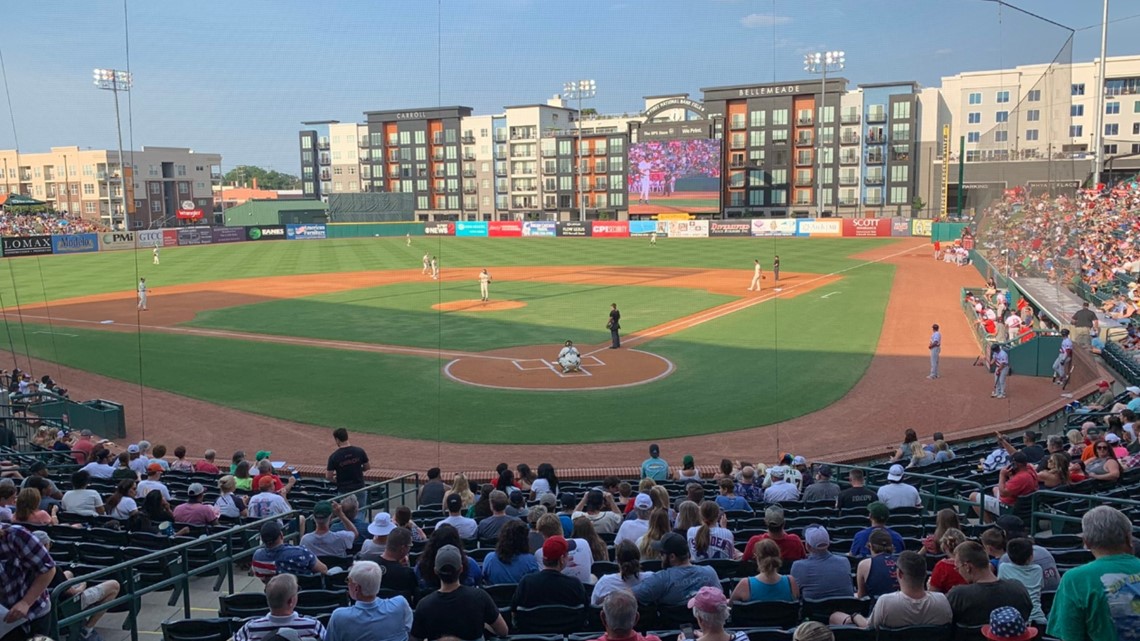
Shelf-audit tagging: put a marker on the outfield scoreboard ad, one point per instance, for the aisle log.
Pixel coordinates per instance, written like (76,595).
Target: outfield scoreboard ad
(676,175)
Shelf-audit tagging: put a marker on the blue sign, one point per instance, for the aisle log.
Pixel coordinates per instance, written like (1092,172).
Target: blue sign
(476,228)
(642,227)
(74,244)
(540,228)
(305,232)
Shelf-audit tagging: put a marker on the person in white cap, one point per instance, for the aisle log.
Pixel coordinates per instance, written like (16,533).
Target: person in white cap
(780,490)
(381,525)
(634,529)
(1133,401)
(896,494)
(194,511)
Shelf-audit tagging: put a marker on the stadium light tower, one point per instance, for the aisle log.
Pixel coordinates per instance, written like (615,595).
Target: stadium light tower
(821,62)
(580,90)
(115,81)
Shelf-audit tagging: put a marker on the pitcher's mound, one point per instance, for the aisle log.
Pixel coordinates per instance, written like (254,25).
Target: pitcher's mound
(478,306)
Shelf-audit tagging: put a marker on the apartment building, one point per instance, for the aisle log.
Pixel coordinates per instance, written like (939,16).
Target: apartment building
(86,182)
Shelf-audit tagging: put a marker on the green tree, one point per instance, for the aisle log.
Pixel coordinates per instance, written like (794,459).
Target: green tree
(916,206)
(244,175)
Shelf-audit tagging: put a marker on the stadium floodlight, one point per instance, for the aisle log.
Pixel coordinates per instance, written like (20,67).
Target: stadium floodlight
(821,62)
(114,80)
(580,90)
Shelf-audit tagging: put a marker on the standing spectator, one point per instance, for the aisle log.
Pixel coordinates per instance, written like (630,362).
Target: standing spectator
(434,489)
(281,594)
(857,495)
(791,546)
(972,603)
(655,467)
(1098,600)
(635,528)
(276,557)
(512,559)
(878,514)
(369,618)
(678,577)
(628,575)
(822,575)
(768,584)
(347,464)
(207,465)
(25,574)
(550,586)
(896,494)
(1086,325)
(324,542)
(619,617)
(455,610)
(823,489)
(194,511)
(911,605)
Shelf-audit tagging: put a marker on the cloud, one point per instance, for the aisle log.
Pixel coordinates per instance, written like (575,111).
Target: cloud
(758,20)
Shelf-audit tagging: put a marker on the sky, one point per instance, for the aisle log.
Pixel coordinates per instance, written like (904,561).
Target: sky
(237,77)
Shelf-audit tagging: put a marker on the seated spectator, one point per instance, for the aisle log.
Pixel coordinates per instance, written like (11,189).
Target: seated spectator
(512,558)
(1007,624)
(158,455)
(39,469)
(688,470)
(42,485)
(584,530)
(823,489)
(488,528)
(84,446)
(678,577)
(856,496)
(194,511)
(281,593)
(80,500)
(207,465)
(694,492)
(688,516)
(398,575)
(581,554)
(620,617)
(7,500)
(516,504)
(780,489)
(791,546)
(946,519)
(444,536)
(1022,569)
(381,526)
(945,575)
(468,528)
(768,584)
(550,586)
(350,505)
(878,515)
(153,481)
(658,528)
(711,609)
(462,489)
(1104,465)
(100,466)
(911,605)
(121,505)
(983,591)
(89,595)
(896,494)
(525,477)
(1055,473)
(747,488)
(28,510)
(1013,528)
(533,536)
(919,457)
(155,517)
(822,575)
(711,539)
(728,500)
(1014,481)
(180,463)
(454,610)
(266,502)
(942,452)
(655,467)
(628,575)
(904,451)
(599,508)
(370,618)
(324,542)
(276,557)
(265,470)
(229,505)
(634,528)
(137,461)
(242,478)
(123,469)
(877,575)
(403,518)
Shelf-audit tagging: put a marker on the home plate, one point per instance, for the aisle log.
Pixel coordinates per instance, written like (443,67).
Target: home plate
(106,322)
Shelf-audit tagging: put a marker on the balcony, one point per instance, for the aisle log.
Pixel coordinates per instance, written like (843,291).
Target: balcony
(393,155)
(500,154)
(326,175)
(500,135)
(469,189)
(363,143)
(439,189)
(437,155)
(468,139)
(469,155)
(805,121)
(737,123)
(849,140)
(548,153)
(738,164)
(848,179)
(849,119)
(437,138)
(322,144)
(500,171)
(804,141)
(803,160)
(468,173)
(875,139)
(849,159)
(438,172)
(325,160)
(849,201)
(900,156)
(873,180)
(779,141)
(876,116)
(215,175)
(874,159)
(873,201)
(804,181)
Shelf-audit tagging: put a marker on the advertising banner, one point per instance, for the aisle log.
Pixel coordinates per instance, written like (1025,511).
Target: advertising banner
(190,214)
(644,227)
(866,227)
(540,228)
(26,246)
(900,227)
(227,234)
(574,229)
(774,227)
(920,227)
(689,228)
(150,238)
(610,228)
(504,229)
(723,229)
(477,228)
(74,243)
(439,229)
(819,227)
(113,240)
(170,238)
(306,232)
(265,232)
(194,236)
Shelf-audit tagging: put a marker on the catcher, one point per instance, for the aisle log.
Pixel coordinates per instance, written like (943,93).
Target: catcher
(569,358)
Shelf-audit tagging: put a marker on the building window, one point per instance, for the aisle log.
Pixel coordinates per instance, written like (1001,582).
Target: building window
(1111,129)
(1076,131)
(1002,116)
(1076,110)
(779,197)
(1079,89)
(1034,95)
(975,98)
(901,110)
(89,207)
(1112,108)
(155,188)
(421,137)
(973,136)
(827,114)
(1135,108)
(1110,149)
(156,206)
(1002,97)
(181,170)
(1135,148)
(757,118)
(1136,129)
(779,116)
(1033,115)
(1031,134)
(900,173)
(756,197)
(306,142)
(898,195)
(756,138)
(88,189)
(974,117)
(1001,135)
(779,176)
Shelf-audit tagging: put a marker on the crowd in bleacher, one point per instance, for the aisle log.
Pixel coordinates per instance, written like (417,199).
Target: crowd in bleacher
(46,223)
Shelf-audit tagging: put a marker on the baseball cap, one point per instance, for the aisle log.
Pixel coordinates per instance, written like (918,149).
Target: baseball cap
(262,454)
(1110,438)
(37,466)
(774,516)
(323,509)
(381,525)
(1132,389)
(671,543)
(642,502)
(708,599)
(799,460)
(1011,524)
(133,449)
(687,460)
(153,467)
(454,502)
(824,471)
(86,433)
(548,499)
(816,537)
(448,556)
(1019,457)
(195,489)
(787,459)
(567,500)
(270,532)
(777,473)
(896,473)
(1006,624)
(554,547)
(878,511)
(1104,384)
(654,450)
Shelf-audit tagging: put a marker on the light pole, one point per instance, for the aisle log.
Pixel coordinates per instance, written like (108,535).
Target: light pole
(580,90)
(821,63)
(115,81)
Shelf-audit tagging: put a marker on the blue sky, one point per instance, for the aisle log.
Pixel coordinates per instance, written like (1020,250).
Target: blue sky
(238,76)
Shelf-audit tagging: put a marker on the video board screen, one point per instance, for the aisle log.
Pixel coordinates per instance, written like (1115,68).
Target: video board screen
(674,176)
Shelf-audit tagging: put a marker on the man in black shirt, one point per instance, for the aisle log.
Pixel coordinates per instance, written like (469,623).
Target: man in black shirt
(397,575)
(347,464)
(983,592)
(550,586)
(1085,324)
(614,325)
(431,494)
(455,610)
(855,496)
(1032,451)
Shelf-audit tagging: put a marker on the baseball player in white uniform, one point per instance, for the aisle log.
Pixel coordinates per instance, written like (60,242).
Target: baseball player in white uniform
(142,294)
(935,348)
(407,240)
(569,358)
(755,286)
(643,167)
(427,263)
(653,238)
(154,252)
(434,268)
(484,286)
(1063,366)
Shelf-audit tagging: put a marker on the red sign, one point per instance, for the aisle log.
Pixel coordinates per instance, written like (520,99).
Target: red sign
(501,228)
(190,214)
(170,238)
(866,227)
(610,229)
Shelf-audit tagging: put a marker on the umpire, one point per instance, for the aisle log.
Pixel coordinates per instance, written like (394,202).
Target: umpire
(614,324)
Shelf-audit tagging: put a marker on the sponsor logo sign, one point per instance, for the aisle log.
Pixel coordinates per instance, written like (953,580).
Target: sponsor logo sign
(866,227)
(920,227)
(505,228)
(74,243)
(194,236)
(610,229)
(26,246)
(773,227)
(574,228)
(439,229)
(113,240)
(540,228)
(689,228)
(900,227)
(719,228)
(150,238)
(476,228)
(819,227)
(169,237)
(265,232)
(190,214)
(644,227)
(313,231)
(227,234)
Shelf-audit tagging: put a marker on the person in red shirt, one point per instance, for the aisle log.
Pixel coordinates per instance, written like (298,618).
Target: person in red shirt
(265,470)
(791,546)
(1016,480)
(206,465)
(945,574)
(81,449)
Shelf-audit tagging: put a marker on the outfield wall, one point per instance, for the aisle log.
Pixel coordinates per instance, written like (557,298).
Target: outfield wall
(58,244)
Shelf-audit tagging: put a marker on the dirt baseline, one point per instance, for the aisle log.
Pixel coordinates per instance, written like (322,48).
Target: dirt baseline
(472,305)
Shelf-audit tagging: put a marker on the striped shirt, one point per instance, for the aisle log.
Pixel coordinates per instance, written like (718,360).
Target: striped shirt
(266,626)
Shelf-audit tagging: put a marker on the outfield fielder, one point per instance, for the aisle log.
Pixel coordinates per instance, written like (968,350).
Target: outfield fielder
(408,240)
(755,286)
(427,263)
(653,238)
(484,286)
(154,252)
(569,358)
(142,294)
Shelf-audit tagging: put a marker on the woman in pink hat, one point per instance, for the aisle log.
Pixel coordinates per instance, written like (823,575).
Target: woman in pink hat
(711,609)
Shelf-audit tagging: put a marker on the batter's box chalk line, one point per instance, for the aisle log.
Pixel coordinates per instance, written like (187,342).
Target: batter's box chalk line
(531,364)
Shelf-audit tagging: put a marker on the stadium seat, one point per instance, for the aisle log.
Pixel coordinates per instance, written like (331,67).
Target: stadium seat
(923,632)
(535,637)
(765,614)
(968,633)
(674,616)
(852,633)
(317,602)
(219,629)
(602,568)
(769,634)
(549,619)
(821,609)
(502,593)
(726,568)
(242,605)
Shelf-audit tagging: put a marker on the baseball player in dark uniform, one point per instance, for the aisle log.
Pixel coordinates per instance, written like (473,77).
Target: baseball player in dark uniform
(614,324)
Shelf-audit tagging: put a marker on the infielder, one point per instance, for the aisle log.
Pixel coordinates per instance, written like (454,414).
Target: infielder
(776,268)
(142,294)
(427,263)
(755,285)
(434,268)
(1063,366)
(484,286)
(154,252)
(935,348)
(569,358)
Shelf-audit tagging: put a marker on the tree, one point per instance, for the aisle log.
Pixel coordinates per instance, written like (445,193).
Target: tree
(244,175)
(916,206)
(589,111)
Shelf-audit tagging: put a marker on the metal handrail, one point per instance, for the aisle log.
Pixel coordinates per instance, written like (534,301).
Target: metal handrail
(1037,496)
(936,498)
(131,593)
